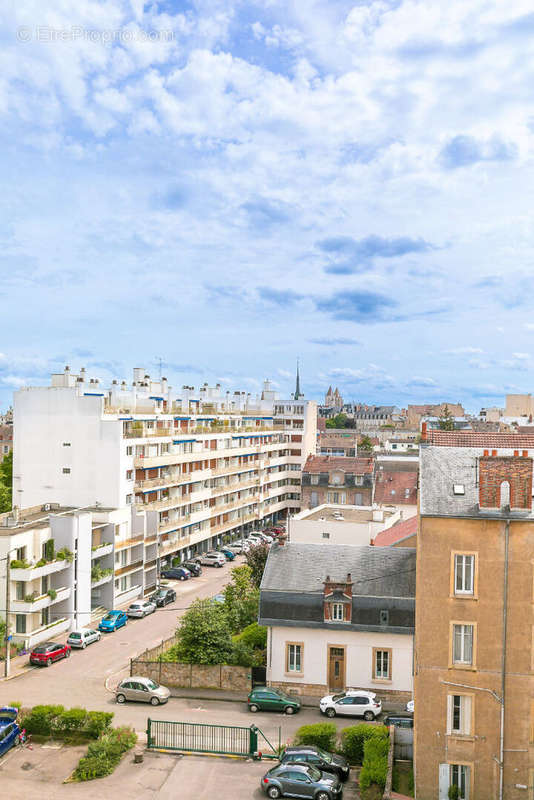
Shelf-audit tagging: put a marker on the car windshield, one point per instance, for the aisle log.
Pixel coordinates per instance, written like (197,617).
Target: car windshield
(336,697)
(314,773)
(75,636)
(135,605)
(152,685)
(109,617)
(283,695)
(325,756)
(161,593)
(40,649)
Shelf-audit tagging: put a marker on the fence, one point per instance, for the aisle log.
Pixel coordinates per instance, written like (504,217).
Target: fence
(197,737)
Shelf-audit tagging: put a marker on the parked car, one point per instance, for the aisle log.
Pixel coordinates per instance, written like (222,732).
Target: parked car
(81,638)
(141,608)
(9,728)
(142,690)
(48,652)
(227,553)
(163,597)
(352,703)
(263,698)
(176,573)
(402,720)
(241,546)
(112,621)
(264,536)
(323,760)
(194,568)
(410,706)
(297,780)
(212,559)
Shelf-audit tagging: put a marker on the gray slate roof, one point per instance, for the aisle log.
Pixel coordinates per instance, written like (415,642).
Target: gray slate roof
(376,571)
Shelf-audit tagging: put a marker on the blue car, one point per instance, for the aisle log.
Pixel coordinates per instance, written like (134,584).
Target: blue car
(9,728)
(230,555)
(112,621)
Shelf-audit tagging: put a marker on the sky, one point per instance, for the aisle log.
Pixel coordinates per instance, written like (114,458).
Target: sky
(230,186)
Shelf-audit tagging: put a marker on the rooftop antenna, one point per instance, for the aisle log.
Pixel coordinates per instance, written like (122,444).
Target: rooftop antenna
(159,362)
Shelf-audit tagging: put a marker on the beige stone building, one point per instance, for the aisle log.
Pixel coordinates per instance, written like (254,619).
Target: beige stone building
(519,405)
(474,662)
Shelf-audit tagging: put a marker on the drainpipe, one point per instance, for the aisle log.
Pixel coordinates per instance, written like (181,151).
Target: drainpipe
(503,655)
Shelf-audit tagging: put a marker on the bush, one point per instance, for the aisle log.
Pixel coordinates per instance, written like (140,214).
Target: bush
(98,722)
(254,635)
(322,734)
(74,719)
(41,563)
(52,594)
(15,704)
(375,763)
(104,754)
(18,563)
(41,719)
(243,655)
(454,792)
(354,738)
(61,722)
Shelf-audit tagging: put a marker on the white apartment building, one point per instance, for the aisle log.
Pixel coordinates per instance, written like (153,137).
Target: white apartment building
(180,471)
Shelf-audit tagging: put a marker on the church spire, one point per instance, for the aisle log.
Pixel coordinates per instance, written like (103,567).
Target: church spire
(298,394)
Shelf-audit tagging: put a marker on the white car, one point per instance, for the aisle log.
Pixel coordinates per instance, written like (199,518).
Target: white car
(410,706)
(81,638)
(351,703)
(141,608)
(239,547)
(212,559)
(265,536)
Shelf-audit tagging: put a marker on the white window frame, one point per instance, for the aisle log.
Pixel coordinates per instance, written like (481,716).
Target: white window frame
(459,714)
(380,672)
(463,636)
(294,657)
(463,775)
(467,587)
(337,612)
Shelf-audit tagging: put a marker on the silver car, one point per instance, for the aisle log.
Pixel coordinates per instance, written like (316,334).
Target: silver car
(142,690)
(212,559)
(83,637)
(141,608)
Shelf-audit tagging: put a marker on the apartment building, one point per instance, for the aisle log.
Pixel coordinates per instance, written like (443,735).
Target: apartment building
(474,644)
(185,470)
(6,440)
(343,480)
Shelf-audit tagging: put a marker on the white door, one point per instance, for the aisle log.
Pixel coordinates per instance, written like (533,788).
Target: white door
(443,781)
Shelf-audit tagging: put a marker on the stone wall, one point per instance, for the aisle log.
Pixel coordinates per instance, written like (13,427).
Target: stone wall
(194,676)
(320,690)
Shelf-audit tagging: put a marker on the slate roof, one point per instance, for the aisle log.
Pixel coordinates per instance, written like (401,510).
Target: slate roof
(376,572)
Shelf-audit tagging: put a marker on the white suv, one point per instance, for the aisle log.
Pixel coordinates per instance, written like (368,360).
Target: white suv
(212,559)
(351,703)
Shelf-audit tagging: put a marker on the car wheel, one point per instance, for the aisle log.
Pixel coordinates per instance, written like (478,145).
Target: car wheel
(289,710)
(368,716)
(67,653)
(48,662)
(322,796)
(154,701)
(274,792)
(121,698)
(84,645)
(330,712)
(254,708)
(182,577)
(98,637)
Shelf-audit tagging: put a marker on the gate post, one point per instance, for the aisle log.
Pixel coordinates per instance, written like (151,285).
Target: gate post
(148,737)
(253,740)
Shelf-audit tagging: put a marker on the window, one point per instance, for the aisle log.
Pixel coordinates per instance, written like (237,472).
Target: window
(314,480)
(460,776)
(20,623)
(129,474)
(381,664)
(21,553)
(20,590)
(66,444)
(326,535)
(337,612)
(45,616)
(294,657)
(384,616)
(462,644)
(458,488)
(66,470)
(129,499)
(358,480)
(129,450)
(459,714)
(124,584)
(464,571)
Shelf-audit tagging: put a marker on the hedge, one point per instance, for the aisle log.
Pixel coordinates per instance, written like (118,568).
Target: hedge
(104,754)
(375,763)
(354,738)
(60,722)
(322,734)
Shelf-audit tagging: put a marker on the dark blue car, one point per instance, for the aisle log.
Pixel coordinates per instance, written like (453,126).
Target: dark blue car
(230,555)
(112,621)
(176,573)
(9,728)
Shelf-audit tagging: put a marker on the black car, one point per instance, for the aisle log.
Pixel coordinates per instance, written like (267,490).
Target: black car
(163,597)
(176,573)
(194,568)
(402,720)
(326,762)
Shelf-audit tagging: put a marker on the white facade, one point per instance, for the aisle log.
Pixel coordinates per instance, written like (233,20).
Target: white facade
(359,526)
(360,650)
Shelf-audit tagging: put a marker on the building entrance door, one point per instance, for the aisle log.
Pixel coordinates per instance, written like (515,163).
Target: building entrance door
(336,668)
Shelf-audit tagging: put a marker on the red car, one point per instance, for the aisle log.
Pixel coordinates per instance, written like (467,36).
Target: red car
(44,654)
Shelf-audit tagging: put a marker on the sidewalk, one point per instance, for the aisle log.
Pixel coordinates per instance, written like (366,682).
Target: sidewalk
(241,697)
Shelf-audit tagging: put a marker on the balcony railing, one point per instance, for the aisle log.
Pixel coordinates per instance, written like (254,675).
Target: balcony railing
(33,573)
(41,601)
(128,568)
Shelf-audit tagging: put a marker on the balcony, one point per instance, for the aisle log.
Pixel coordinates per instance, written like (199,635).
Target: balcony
(148,433)
(33,573)
(103,549)
(128,568)
(106,578)
(40,602)
(120,545)
(43,633)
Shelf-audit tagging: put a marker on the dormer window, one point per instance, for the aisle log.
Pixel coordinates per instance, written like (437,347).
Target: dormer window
(337,600)
(337,612)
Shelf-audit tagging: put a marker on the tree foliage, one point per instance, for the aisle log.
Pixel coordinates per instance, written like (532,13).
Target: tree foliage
(446,420)
(241,599)
(6,482)
(256,558)
(365,445)
(203,635)
(337,421)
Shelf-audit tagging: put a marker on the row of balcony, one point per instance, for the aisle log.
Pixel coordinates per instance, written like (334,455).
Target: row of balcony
(170,432)
(37,603)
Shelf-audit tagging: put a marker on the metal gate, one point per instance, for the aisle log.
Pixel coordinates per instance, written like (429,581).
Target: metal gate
(197,737)
(259,676)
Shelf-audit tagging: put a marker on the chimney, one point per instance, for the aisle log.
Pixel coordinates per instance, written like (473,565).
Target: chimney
(423,431)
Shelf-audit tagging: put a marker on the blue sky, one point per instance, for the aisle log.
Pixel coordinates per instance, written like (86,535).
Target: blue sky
(230,185)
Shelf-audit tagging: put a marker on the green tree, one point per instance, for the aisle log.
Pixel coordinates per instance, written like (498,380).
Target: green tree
(446,420)
(365,445)
(6,482)
(256,558)
(204,635)
(338,421)
(241,599)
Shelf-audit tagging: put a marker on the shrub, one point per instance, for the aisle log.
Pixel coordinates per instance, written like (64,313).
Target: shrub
(41,563)
(243,655)
(19,563)
(322,734)
(52,594)
(65,554)
(40,721)
(354,738)
(98,722)
(254,635)
(375,762)
(30,598)
(15,704)
(74,719)
(104,754)
(454,792)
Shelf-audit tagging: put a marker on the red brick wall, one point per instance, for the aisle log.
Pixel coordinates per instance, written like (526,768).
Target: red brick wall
(493,470)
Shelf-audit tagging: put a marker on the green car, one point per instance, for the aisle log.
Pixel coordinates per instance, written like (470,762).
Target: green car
(263,698)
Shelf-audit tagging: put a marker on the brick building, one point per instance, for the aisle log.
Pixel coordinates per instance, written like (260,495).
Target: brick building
(396,482)
(474,668)
(338,480)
